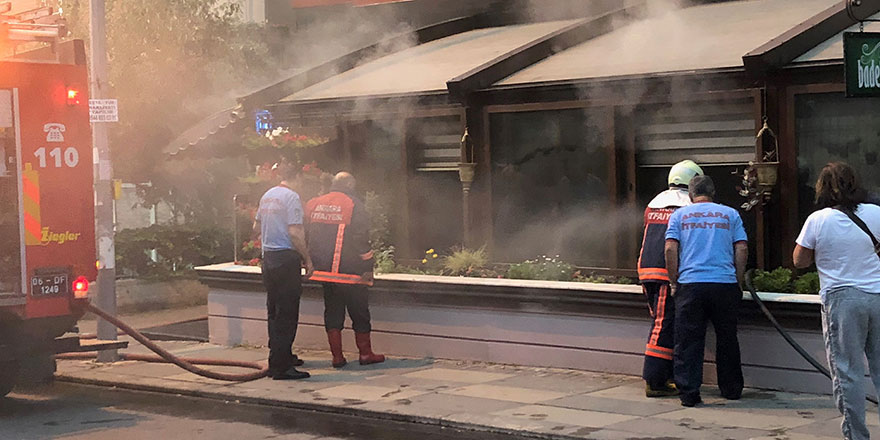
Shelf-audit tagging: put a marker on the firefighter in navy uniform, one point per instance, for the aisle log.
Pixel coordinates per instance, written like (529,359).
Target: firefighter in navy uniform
(338,231)
(654,278)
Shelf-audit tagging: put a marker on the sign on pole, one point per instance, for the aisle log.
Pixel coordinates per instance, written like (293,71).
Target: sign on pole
(861,63)
(103,110)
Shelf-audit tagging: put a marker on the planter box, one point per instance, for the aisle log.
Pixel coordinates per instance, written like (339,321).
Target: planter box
(596,327)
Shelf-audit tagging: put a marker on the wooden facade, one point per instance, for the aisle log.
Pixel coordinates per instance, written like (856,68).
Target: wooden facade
(702,93)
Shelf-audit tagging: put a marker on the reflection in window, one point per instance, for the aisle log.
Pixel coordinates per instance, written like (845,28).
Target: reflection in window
(550,186)
(830,127)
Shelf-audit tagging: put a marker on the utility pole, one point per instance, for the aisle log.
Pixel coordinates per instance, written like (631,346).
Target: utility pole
(106,300)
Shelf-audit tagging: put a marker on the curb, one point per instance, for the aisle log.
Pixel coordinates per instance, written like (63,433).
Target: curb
(316,407)
(156,336)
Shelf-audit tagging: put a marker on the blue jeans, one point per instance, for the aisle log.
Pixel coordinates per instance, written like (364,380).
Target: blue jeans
(851,325)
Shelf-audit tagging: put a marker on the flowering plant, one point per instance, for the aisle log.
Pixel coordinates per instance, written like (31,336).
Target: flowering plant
(542,268)
(282,139)
(432,263)
(251,251)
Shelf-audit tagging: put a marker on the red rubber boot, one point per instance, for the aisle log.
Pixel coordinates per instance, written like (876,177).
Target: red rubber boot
(366,350)
(334,337)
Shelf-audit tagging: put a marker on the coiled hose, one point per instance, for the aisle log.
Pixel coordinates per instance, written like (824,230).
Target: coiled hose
(164,356)
(797,347)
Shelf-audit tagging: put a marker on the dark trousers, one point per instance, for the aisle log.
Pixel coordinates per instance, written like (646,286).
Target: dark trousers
(695,304)
(661,341)
(282,277)
(338,298)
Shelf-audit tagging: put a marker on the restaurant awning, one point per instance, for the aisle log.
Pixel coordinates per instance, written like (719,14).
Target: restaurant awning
(711,36)
(426,68)
(704,38)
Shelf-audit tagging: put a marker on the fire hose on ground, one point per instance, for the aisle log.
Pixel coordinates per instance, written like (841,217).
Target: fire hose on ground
(164,356)
(794,344)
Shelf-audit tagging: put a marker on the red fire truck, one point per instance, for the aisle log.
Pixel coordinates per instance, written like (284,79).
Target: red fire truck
(47,217)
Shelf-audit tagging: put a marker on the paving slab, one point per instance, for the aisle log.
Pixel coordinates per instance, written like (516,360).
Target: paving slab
(404,381)
(542,402)
(733,419)
(831,427)
(446,404)
(655,428)
(369,392)
(615,406)
(809,407)
(512,394)
(564,383)
(565,416)
(454,375)
(436,406)
(794,436)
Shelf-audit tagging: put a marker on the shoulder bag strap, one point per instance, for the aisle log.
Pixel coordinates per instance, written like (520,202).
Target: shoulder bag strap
(861,224)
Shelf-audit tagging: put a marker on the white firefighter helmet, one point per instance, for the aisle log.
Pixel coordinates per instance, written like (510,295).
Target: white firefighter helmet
(682,172)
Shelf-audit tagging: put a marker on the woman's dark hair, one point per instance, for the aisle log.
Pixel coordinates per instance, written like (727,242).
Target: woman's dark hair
(839,186)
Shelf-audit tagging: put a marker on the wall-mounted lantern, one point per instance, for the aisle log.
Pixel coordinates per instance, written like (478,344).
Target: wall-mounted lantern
(762,176)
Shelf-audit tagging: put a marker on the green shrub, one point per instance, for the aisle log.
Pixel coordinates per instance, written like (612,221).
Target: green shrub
(807,283)
(384,260)
(466,262)
(625,280)
(591,278)
(779,280)
(581,277)
(523,271)
(409,270)
(544,268)
(179,249)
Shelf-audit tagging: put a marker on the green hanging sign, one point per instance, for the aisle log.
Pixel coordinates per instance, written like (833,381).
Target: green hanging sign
(861,63)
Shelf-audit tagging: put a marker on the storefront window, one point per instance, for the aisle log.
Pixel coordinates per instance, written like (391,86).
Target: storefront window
(830,127)
(433,148)
(550,186)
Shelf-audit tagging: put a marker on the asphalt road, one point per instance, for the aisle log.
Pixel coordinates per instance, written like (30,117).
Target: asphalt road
(83,412)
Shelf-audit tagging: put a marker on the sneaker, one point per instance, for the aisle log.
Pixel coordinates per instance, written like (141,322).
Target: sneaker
(291,374)
(666,390)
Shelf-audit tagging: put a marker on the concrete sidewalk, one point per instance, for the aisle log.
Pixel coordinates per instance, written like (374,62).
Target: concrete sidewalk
(539,402)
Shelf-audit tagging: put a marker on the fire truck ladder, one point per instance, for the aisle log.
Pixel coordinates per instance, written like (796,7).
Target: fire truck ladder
(40,25)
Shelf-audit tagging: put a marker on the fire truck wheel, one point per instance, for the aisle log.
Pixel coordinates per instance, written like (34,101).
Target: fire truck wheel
(8,377)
